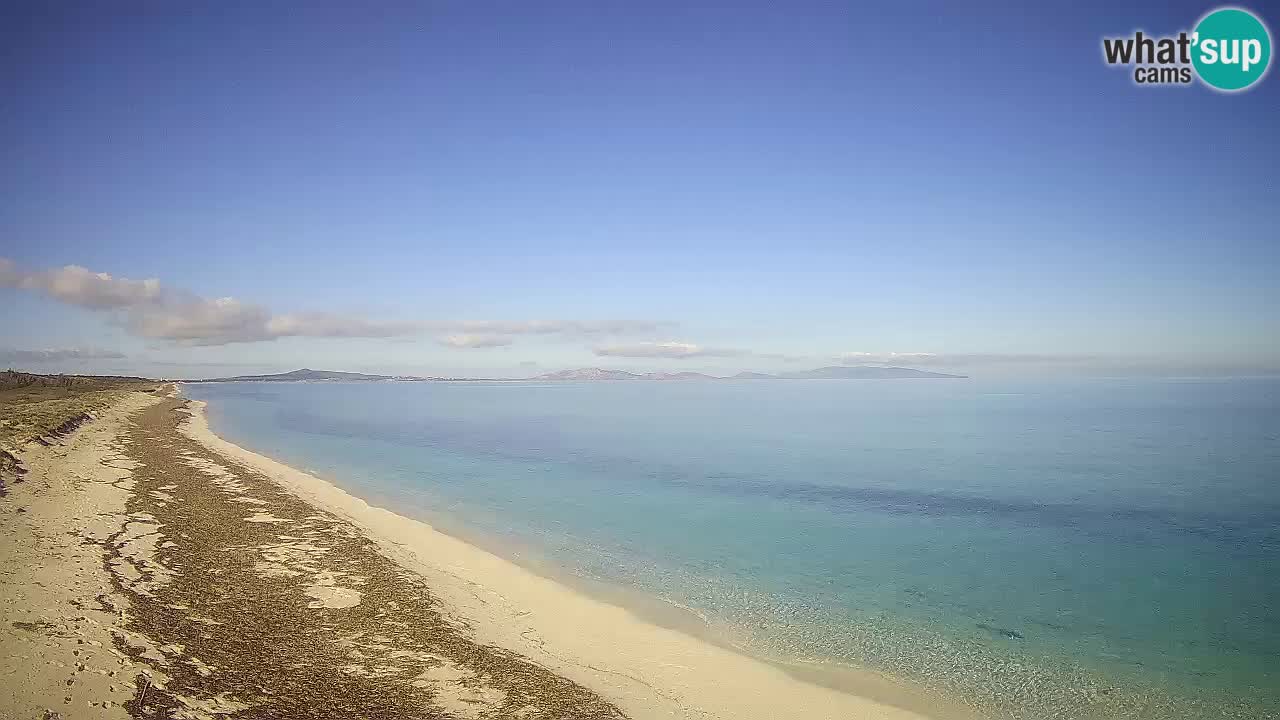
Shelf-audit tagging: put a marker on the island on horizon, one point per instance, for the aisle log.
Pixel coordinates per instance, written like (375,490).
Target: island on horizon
(595,374)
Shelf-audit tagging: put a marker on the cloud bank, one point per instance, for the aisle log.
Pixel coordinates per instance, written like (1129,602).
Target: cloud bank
(549,327)
(672,350)
(962,359)
(476,341)
(44,356)
(148,309)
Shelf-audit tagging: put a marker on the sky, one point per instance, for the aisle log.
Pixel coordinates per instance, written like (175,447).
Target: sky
(501,189)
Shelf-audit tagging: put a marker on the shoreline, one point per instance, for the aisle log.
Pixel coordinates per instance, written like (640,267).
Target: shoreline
(647,666)
(650,609)
(146,576)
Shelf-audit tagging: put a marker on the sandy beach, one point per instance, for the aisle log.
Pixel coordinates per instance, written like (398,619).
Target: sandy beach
(62,615)
(154,569)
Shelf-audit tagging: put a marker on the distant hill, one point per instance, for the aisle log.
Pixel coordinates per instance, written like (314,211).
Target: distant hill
(309,375)
(600,374)
(858,372)
(679,376)
(586,375)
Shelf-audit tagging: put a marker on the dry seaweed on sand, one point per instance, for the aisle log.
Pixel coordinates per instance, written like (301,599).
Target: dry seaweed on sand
(248,601)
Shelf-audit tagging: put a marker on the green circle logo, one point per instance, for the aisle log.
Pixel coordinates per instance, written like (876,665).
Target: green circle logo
(1232,49)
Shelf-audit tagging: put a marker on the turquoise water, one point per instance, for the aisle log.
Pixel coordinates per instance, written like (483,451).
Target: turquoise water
(1081,549)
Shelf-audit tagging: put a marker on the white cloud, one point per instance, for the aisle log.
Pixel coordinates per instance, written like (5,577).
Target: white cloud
(151,310)
(78,286)
(784,357)
(549,327)
(673,350)
(41,356)
(961,359)
(682,350)
(476,341)
(197,321)
(880,358)
(336,326)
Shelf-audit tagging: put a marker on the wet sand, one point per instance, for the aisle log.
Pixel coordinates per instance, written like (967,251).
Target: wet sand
(156,570)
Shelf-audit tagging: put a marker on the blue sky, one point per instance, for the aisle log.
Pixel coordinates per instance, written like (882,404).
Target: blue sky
(493,188)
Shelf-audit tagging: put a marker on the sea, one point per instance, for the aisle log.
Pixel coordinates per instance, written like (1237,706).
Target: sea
(1101,548)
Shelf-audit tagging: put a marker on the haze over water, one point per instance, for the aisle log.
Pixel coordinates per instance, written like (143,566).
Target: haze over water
(1101,548)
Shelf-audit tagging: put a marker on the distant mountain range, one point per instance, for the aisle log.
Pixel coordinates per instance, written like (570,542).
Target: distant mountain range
(835,372)
(598,374)
(863,372)
(309,375)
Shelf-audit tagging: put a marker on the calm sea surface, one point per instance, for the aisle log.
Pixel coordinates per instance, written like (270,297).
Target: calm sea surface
(1080,549)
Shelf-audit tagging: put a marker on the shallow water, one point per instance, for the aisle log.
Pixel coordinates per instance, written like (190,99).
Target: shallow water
(1105,548)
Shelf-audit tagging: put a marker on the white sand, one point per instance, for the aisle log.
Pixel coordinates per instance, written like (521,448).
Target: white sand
(647,670)
(58,610)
